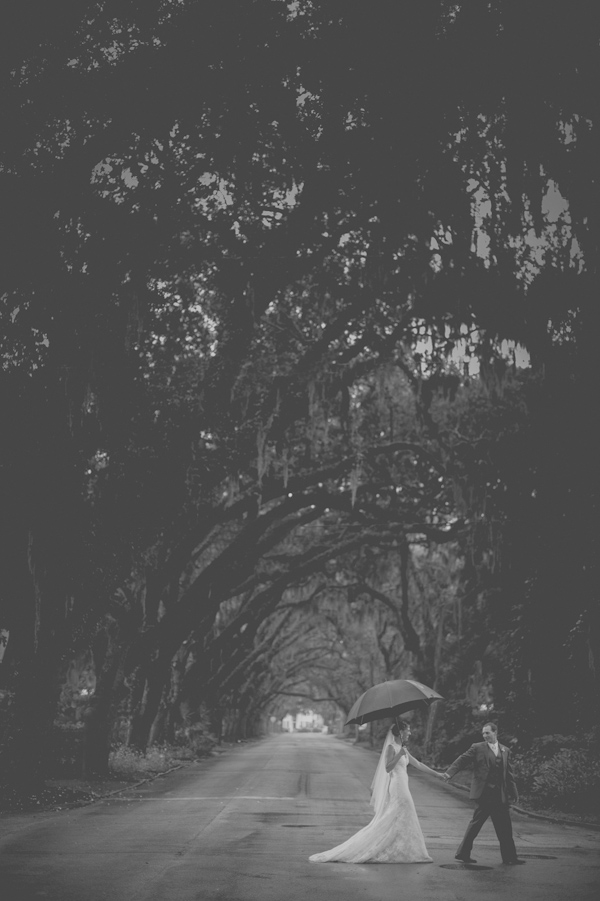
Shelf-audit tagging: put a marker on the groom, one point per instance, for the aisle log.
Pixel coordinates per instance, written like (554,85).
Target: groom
(493,787)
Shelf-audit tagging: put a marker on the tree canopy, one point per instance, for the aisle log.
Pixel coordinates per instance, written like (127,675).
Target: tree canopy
(298,305)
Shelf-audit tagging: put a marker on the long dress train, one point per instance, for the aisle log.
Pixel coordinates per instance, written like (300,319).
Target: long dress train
(394,834)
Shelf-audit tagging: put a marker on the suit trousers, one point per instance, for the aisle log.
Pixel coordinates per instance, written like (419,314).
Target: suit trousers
(490,804)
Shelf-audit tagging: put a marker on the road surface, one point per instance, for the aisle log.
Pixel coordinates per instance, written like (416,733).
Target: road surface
(241,826)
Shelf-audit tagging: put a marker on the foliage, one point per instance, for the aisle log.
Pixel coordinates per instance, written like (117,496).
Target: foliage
(242,375)
(194,739)
(78,685)
(570,780)
(130,764)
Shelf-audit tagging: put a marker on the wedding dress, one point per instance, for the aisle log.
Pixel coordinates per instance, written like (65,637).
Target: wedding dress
(394,834)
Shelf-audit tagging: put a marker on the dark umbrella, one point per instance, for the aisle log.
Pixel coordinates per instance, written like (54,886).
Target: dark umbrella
(390,699)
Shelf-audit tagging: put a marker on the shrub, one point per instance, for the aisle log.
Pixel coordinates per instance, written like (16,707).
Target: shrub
(570,780)
(195,739)
(130,764)
(527,763)
(191,742)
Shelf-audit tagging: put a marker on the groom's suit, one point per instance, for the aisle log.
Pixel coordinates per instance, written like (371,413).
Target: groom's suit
(493,787)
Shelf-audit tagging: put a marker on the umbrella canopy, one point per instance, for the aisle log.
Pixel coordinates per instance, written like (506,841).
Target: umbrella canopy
(390,699)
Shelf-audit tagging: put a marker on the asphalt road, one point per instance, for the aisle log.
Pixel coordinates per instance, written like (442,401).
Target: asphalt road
(241,826)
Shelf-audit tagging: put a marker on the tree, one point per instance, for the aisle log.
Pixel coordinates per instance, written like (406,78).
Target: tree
(216,268)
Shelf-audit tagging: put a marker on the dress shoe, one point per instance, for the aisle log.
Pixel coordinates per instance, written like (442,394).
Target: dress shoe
(465,859)
(513,863)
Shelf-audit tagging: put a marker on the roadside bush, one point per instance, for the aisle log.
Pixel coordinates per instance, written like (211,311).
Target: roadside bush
(191,742)
(130,764)
(570,780)
(65,757)
(195,741)
(529,762)
(193,738)
(526,764)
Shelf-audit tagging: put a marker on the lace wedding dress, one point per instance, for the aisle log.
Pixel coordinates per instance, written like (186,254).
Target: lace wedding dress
(393,835)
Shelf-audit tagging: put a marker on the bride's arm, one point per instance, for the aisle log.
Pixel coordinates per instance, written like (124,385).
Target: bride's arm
(392,759)
(422,766)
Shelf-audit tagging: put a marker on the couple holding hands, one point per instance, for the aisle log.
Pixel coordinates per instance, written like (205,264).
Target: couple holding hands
(394,834)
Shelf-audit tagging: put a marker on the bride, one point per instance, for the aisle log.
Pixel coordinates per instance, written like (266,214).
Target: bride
(394,834)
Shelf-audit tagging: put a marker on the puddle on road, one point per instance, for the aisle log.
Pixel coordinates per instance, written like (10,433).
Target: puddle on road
(463,866)
(269,816)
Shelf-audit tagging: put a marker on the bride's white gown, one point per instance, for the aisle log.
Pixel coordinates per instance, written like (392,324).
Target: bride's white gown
(393,835)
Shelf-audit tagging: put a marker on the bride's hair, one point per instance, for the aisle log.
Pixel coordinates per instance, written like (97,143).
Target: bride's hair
(399,727)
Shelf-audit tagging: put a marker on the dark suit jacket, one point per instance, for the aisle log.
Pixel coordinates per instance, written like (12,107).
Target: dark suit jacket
(481,758)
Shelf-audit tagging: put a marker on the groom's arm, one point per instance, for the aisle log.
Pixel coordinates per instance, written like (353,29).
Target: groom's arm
(461,763)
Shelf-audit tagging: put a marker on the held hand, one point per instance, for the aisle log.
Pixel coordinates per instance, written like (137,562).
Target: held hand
(445,777)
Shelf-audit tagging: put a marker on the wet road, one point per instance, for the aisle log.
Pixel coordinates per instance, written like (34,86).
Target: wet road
(241,826)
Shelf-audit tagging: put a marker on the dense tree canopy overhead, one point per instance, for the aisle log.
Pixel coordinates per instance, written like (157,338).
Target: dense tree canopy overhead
(265,266)
(250,137)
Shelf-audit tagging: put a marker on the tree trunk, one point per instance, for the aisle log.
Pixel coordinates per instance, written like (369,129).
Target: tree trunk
(96,739)
(216,723)
(143,718)
(27,734)
(109,652)
(38,635)
(431,720)
(158,729)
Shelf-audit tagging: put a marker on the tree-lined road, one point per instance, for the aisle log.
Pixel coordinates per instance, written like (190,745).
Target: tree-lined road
(241,827)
